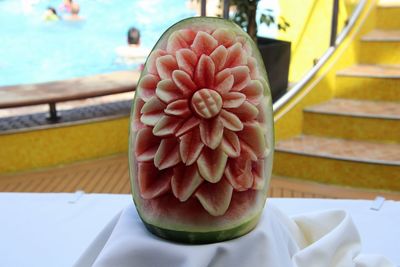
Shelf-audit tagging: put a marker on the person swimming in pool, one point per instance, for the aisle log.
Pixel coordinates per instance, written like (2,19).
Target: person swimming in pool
(65,6)
(133,52)
(75,8)
(50,14)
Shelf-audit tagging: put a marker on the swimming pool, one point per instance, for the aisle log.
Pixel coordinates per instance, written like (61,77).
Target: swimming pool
(32,50)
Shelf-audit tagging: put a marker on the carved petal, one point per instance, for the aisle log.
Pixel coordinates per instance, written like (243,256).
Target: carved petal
(241,75)
(167,154)
(230,144)
(222,75)
(245,45)
(233,99)
(137,107)
(211,132)
(246,112)
(151,62)
(176,42)
(236,56)
(146,145)
(204,43)
(252,63)
(204,73)
(219,57)
(188,35)
(238,173)
(224,37)
(152,182)
(167,125)
(178,108)
(186,60)
(246,150)
(224,82)
(230,121)
(165,66)
(262,115)
(167,91)
(147,86)
(215,198)
(252,135)
(190,146)
(253,92)
(211,164)
(185,181)
(184,82)
(258,174)
(188,125)
(152,111)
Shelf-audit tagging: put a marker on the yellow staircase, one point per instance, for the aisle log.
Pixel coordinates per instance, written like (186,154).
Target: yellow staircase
(353,139)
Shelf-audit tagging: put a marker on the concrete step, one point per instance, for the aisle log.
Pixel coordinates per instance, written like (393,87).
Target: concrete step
(379,35)
(388,14)
(369,82)
(372,71)
(354,119)
(339,161)
(380,47)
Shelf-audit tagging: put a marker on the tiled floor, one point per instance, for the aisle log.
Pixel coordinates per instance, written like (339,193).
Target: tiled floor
(343,149)
(378,109)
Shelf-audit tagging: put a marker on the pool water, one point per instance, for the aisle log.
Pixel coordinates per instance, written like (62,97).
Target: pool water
(33,50)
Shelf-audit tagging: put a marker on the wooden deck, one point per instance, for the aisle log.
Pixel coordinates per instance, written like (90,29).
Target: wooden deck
(110,175)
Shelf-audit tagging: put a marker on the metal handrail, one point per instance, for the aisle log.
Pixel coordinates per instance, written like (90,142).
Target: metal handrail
(297,88)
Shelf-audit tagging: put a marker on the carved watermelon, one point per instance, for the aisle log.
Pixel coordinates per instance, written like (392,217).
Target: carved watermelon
(201,140)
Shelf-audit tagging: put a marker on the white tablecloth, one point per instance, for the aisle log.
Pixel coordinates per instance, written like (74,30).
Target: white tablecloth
(55,229)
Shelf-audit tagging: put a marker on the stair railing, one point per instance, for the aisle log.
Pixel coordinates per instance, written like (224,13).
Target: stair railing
(335,40)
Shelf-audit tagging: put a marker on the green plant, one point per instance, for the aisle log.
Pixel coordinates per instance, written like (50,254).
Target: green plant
(245,17)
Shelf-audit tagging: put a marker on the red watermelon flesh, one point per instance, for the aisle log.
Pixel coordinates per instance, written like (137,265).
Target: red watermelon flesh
(200,153)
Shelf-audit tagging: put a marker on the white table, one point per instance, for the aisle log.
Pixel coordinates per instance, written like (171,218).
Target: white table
(54,229)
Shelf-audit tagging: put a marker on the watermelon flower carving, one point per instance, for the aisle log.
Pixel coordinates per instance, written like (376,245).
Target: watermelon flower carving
(199,120)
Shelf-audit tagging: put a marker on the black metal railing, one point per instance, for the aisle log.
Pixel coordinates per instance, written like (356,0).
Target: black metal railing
(334,24)
(203,11)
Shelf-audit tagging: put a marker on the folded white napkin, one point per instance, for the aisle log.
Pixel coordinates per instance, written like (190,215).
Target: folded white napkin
(319,239)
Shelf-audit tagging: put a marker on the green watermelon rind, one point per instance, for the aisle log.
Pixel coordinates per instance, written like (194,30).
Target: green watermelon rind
(194,237)
(225,231)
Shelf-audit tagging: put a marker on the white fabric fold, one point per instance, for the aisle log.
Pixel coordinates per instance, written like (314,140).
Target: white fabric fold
(332,237)
(319,239)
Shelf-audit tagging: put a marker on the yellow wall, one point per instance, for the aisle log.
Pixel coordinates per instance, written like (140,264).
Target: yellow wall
(309,31)
(59,145)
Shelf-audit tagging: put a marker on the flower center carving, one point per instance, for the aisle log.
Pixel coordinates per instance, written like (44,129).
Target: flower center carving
(206,103)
